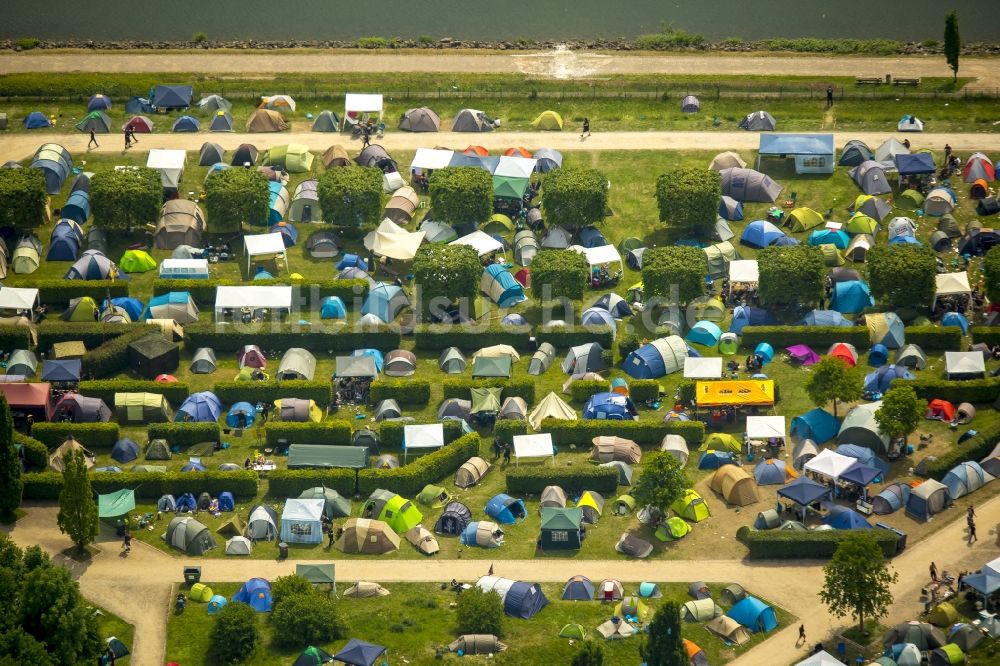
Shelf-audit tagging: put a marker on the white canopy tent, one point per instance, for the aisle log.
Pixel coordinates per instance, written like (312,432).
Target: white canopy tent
(264,245)
(765,427)
(534,446)
(274,297)
(744,271)
(18,298)
(362,103)
(515,167)
(480,241)
(703,368)
(170,164)
(422,436)
(429,159)
(949,284)
(393,241)
(964,365)
(604,254)
(830,464)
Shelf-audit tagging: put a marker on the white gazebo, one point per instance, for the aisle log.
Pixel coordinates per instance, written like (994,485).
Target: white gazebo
(264,246)
(743,271)
(253,297)
(170,164)
(534,446)
(429,159)
(952,284)
(480,241)
(422,437)
(361,105)
(830,464)
(598,256)
(703,368)
(515,167)
(18,299)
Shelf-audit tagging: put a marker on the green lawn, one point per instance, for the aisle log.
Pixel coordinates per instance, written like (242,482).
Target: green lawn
(416,619)
(109,625)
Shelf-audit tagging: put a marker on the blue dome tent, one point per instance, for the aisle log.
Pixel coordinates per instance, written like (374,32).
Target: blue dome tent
(730,209)
(765,351)
(956,319)
(754,614)
(614,304)
(904,240)
(241,408)
(64,245)
(851,297)
(842,518)
(186,124)
(77,207)
(186,503)
(825,318)
(705,333)
(520,600)
(656,359)
(289,234)
(881,380)
(887,329)
(611,406)
(864,455)
(203,407)
(375,354)
(125,450)
(786,241)
(770,472)
(965,478)
(505,509)
(194,466)
(830,237)
(256,593)
(745,315)
(98,102)
(878,356)
(352,261)
(385,301)
(500,285)
(133,307)
(333,308)
(590,237)
(226,501)
(817,424)
(715,459)
(36,120)
(891,499)
(598,317)
(760,234)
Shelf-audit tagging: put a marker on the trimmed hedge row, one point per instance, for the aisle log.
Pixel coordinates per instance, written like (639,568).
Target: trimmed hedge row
(460,388)
(391,433)
(310,293)
(91,435)
(334,433)
(148,485)
(403,391)
(92,335)
(970,390)
(59,292)
(184,434)
(435,337)
(321,338)
(788,545)
(533,479)
(975,448)
(988,334)
(505,430)
(640,390)
(285,483)
(410,479)
(642,433)
(582,389)
(36,454)
(271,390)
(15,337)
(643,390)
(563,337)
(112,356)
(175,392)
(935,338)
(819,337)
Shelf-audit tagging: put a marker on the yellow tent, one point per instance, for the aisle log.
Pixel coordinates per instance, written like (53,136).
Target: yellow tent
(744,392)
(721,441)
(548,120)
(735,485)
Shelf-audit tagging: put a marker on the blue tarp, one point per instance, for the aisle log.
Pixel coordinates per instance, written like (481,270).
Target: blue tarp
(611,406)
(359,653)
(333,308)
(842,518)
(830,237)
(825,318)
(203,407)
(256,593)
(817,424)
(881,379)
(754,614)
(804,491)
(914,163)
(505,509)
(761,233)
(851,297)
(797,144)
(705,333)
(67,370)
(745,315)
(986,581)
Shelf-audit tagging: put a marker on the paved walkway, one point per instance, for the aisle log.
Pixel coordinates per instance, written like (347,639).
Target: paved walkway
(137,588)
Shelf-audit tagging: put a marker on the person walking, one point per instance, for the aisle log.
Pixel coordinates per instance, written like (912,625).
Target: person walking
(93,140)
(972,532)
(366,136)
(330,534)
(947,154)
(970,515)
(127,543)
(128,139)
(496,449)
(131,135)
(506,454)
(802,634)
(829,96)
(586,128)
(933,572)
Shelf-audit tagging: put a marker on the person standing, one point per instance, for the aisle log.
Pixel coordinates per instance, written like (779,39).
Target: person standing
(802,634)
(128,139)
(829,96)
(93,140)
(947,154)
(586,128)
(933,572)
(506,454)
(972,532)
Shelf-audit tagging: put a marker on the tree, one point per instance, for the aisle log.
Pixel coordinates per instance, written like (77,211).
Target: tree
(857,579)
(676,273)
(287,586)
(125,198)
(235,196)
(558,273)
(688,198)
(17,646)
(445,274)
(461,195)
(77,508)
(791,275)
(901,411)
(952,42)
(661,482)
(352,196)
(235,634)
(23,198)
(589,654)
(833,379)
(306,618)
(52,610)
(574,197)
(665,646)
(11,483)
(991,273)
(903,275)
(480,612)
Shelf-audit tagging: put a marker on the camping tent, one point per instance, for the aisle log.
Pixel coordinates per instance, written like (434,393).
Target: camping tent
(758,121)
(754,614)
(55,163)
(656,359)
(262,524)
(578,588)
(748,185)
(870,177)
(886,329)
(964,478)
(727,160)
(859,427)
(964,365)
(420,120)
(142,408)
(362,535)
(187,534)
(854,153)
(505,509)
(548,121)
(583,359)
(300,521)
(735,485)
(817,424)
(561,530)
(297,363)
(266,120)
(851,296)
(927,499)
(520,600)
(471,120)
(181,222)
(690,506)
(385,301)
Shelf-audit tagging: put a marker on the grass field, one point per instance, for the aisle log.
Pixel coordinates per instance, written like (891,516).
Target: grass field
(109,625)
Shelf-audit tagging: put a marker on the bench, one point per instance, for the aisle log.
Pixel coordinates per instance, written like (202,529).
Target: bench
(907,82)
(868,81)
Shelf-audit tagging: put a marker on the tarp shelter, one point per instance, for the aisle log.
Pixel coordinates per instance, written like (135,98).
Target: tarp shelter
(253,297)
(830,464)
(170,164)
(422,437)
(758,121)
(533,446)
(927,499)
(300,521)
(355,366)
(266,120)
(964,365)
(561,529)
(909,164)
(471,120)
(754,614)
(812,153)
(735,485)
(949,284)
(357,106)
(181,222)
(748,185)
(964,478)
(656,359)
(153,355)
(551,406)
(115,504)
(520,600)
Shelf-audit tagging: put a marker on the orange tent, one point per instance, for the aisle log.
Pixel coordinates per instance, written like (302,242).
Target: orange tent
(517,152)
(477,150)
(696,656)
(737,393)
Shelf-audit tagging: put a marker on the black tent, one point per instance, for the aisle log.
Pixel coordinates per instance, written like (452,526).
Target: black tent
(172,97)
(153,355)
(454,519)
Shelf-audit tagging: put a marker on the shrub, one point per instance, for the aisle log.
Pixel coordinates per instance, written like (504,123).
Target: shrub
(403,391)
(271,390)
(675,273)
(94,436)
(235,634)
(23,198)
(558,274)
(410,479)
(902,275)
(976,391)
(59,292)
(532,480)
(28,43)
(989,335)
(291,585)
(643,433)
(306,618)
(285,483)
(122,199)
(36,454)
(112,356)
(174,392)
(574,197)
(235,196)
(149,485)
(479,612)
(15,337)
(437,337)
(333,433)
(90,334)
(787,545)
(184,434)
(669,38)
(331,338)
(935,338)
(461,196)
(521,387)
(564,337)
(199,37)
(351,197)
(791,275)
(582,389)
(505,430)
(991,273)
(628,343)
(688,198)
(445,274)
(818,337)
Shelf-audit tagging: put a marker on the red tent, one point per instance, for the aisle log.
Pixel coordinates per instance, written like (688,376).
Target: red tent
(523,277)
(139,125)
(940,409)
(843,350)
(32,398)
(477,150)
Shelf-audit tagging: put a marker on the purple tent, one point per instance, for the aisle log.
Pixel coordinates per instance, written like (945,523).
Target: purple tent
(803,354)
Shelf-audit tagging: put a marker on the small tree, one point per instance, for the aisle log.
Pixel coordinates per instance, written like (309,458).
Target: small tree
(125,198)
(461,195)
(903,275)
(661,481)
(857,579)
(287,586)
(235,634)
(558,273)
(589,654)
(991,273)
(688,198)
(683,267)
(574,197)
(665,645)
(952,42)
(11,483)
(23,197)
(832,379)
(446,274)
(308,618)
(480,612)
(235,196)
(791,275)
(901,411)
(77,508)
(351,197)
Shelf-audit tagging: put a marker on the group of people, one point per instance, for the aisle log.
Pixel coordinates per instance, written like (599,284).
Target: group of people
(332,533)
(352,391)
(501,450)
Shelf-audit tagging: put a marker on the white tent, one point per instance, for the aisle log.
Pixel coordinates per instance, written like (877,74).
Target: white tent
(18,298)
(301,520)
(481,242)
(703,368)
(822,658)
(830,464)
(765,427)
(170,164)
(431,158)
(515,167)
(252,297)
(605,254)
(534,446)
(744,270)
(952,283)
(360,103)
(424,436)
(263,245)
(964,365)
(393,241)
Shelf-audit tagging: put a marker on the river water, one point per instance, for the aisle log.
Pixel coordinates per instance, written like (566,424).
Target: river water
(499,19)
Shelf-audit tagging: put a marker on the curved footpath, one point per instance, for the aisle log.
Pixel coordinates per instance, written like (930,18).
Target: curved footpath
(22,145)
(138,588)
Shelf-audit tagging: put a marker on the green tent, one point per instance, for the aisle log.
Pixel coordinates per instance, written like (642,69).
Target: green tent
(561,528)
(672,528)
(313,656)
(831,255)
(433,496)
(948,654)
(136,261)
(319,574)
(691,506)
(115,504)
(142,408)
(311,455)
(574,631)
(492,366)
(721,441)
(95,121)
(861,224)
(624,505)
(509,187)
(803,219)
(292,157)
(548,120)
(910,200)
(485,399)
(395,510)
(150,469)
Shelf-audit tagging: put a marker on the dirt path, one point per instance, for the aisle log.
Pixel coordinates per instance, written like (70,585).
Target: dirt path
(553,64)
(138,588)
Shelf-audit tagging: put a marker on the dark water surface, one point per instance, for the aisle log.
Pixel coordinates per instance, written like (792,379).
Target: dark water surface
(496,19)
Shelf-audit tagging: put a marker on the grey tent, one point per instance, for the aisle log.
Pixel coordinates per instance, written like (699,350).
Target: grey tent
(949,225)
(486,644)
(189,535)
(548,159)
(401,206)
(326,121)
(964,365)
(492,366)
(262,523)
(376,156)
(204,361)
(552,496)
(322,244)
(514,408)
(215,103)
(911,356)
(749,185)
(525,247)
(305,204)
(873,207)
(633,546)
(387,409)
(927,499)
(541,359)
(222,121)
(471,472)
(860,427)
(297,363)
(857,249)
(870,177)
(758,121)
(400,363)
(455,408)
(158,449)
(334,505)
(210,154)
(471,120)
(452,361)
(420,120)
(92,265)
(97,240)
(245,153)
(690,104)
(454,519)
(82,409)
(719,256)
(855,152)
(886,153)
(584,358)
(22,362)
(940,242)
(181,223)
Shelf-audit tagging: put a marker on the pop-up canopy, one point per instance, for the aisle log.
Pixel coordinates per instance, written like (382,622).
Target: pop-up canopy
(533,446)
(430,159)
(765,427)
(515,167)
(252,297)
(830,464)
(170,164)
(361,103)
(18,298)
(604,254)
(263,245)
(744,270)
(481,242)
(743,392)
(703,367)
(424,436)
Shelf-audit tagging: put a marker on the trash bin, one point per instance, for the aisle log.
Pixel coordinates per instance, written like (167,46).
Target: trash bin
(282,551)
(192,575)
